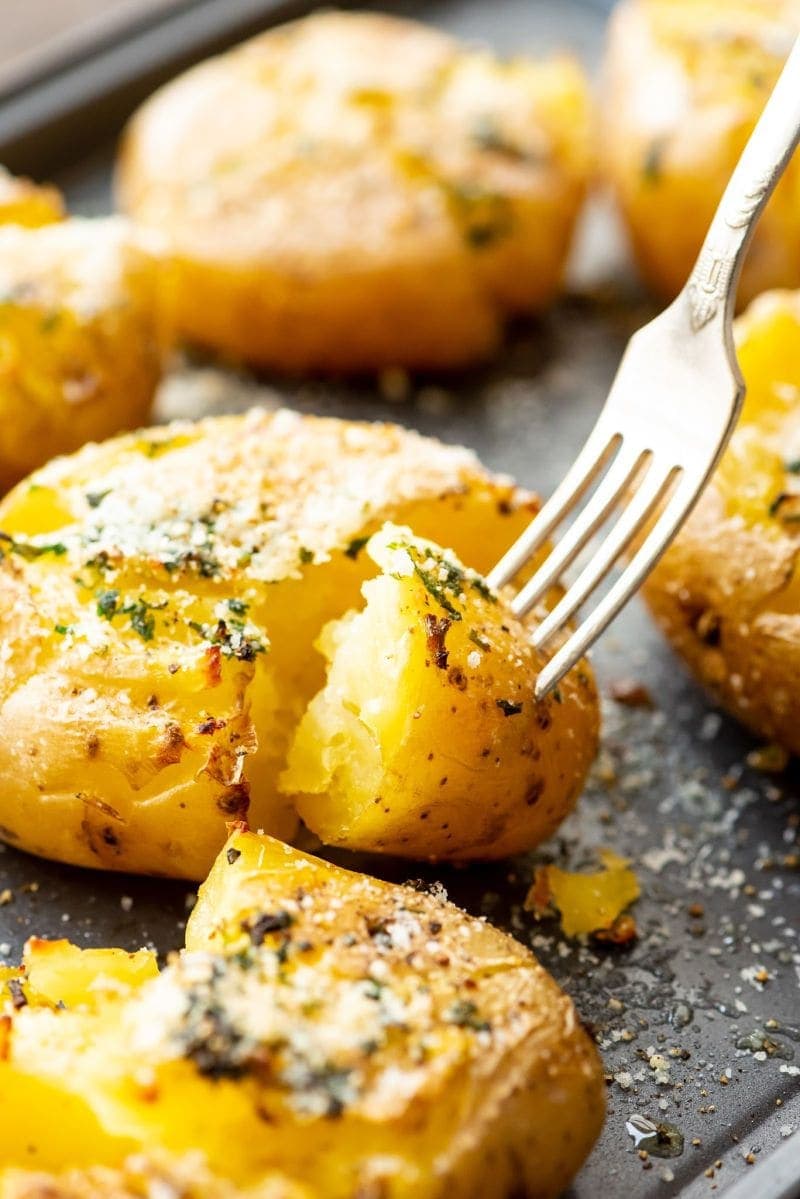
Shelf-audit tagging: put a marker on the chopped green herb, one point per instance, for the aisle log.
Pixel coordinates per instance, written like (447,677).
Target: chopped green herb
(100,562)
(485,217)
(27,550)
(464,1013)
(306,555)
(268,922)
(786,507)
(63,629)
(152,447)
(231,638)
(478,639)
(356,546)
(445,577)
(200,557)
(487,135)
(142,620)
(239,606)
(483,588)
(654,160)
(95,498)
(330,1087)
(107,604)
(793,466)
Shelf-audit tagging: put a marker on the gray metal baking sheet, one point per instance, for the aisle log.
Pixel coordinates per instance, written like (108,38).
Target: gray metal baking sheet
(698,1022)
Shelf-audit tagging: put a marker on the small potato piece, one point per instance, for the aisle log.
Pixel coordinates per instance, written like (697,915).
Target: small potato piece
(727,593)
(686,82)
(57,972)
(426,740)
(421,1052)
(160,596)
(25,203)
(353,191)
(79,357)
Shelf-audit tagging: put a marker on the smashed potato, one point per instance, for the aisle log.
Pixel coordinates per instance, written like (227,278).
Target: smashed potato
(426,740)
(162,594)
(422,1052)
(727,593)
(353,191)
(686,82)
(23,202)
(79,355)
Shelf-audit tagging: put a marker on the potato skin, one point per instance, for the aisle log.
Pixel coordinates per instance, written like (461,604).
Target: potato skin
(426,741)
(421,1051)
(685,82)
(79,355)
(354,191)
(160,597)
(727,592)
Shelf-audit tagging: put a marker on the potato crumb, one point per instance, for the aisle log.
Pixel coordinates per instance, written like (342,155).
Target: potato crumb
(587,903)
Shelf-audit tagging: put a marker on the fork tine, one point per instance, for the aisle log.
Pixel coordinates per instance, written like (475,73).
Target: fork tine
(618,478)
(654,545)
(651,491)
(597,450)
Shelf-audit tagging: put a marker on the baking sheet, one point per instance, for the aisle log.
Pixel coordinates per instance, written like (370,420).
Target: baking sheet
(698,1022)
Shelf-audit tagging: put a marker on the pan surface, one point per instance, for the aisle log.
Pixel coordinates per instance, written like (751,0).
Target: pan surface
(698,1022)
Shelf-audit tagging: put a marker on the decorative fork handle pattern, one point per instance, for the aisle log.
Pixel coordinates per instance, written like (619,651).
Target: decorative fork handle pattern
(711,288)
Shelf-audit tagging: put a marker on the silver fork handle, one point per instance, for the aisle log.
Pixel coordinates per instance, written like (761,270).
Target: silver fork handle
(711,288)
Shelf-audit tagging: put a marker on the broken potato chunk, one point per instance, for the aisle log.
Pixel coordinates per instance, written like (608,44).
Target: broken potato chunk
(426,740)
(421,1052)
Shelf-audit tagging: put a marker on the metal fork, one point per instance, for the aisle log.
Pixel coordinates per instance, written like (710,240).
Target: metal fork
(668,417)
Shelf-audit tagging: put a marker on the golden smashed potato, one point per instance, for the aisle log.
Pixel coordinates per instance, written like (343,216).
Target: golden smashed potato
(23,202)
(420,1051)
(162,594)
(426,740)
(686,81)
(79,355)
(353,191)
(727,593)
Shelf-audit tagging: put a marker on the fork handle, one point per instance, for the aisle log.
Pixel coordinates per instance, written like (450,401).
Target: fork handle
(711,287)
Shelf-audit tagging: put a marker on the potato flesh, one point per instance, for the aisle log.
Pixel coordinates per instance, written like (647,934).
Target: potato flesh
(508,1091)
(353,191)
(57,972)
(170,734)
(426,740)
